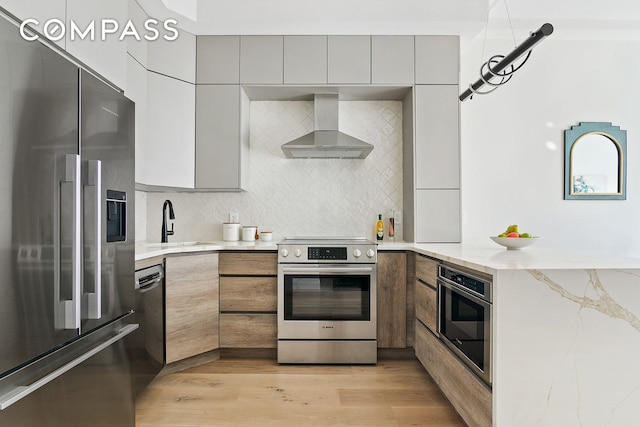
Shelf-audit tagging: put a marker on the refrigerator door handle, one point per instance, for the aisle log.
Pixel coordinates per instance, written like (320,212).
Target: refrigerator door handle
(19,392)
(67,235)
(93,240)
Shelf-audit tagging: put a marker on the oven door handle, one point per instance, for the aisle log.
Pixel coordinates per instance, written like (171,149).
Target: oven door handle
(327,270)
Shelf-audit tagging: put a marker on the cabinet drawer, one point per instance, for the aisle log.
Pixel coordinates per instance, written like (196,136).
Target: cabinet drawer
(427,270)
(468,395)
(427,306)
(248,331)
(248,294)
(248,263)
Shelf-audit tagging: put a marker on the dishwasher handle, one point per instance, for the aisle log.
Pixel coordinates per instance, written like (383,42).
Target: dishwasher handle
(149,278)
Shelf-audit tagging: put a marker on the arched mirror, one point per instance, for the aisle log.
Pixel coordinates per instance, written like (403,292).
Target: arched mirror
(595,163)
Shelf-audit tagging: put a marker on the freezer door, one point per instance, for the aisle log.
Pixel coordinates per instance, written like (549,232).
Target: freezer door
(85,383)
(38,182)
(107,155)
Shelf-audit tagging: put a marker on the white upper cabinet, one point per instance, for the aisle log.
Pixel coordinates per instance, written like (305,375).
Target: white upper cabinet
(137,48)
(437,59)
(305,59)
(169,150)
(137,92)
(107,57)
(349,59)
(261,59)
(40,10)
(392,60)
(174,58)
(218,60)
(437,140)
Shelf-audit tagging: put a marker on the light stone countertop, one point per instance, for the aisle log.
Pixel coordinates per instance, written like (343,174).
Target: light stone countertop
(483,256)
(145,250)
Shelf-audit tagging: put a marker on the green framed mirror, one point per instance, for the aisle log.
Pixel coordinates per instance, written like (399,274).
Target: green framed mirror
(595,162)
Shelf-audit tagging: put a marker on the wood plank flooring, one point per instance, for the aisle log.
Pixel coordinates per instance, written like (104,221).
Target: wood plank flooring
(259,392)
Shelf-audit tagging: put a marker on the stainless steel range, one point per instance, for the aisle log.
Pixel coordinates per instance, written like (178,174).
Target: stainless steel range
(327,300)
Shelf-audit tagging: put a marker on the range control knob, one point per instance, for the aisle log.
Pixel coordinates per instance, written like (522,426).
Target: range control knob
(357,253)
(370,253)
(284,252)
(298,253)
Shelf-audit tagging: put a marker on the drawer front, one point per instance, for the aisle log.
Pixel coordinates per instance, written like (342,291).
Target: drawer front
(427,306)
(248,263)
(469,396)
(252,294)
(427,270)
(248,331)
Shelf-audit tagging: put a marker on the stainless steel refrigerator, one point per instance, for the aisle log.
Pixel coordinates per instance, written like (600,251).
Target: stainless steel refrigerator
(66,241)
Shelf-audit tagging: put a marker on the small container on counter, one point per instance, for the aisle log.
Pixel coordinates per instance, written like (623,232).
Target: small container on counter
(230,231)
(266,236)
(249,233)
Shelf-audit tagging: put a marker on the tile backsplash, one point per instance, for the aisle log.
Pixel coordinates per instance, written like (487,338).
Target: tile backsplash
(326,197)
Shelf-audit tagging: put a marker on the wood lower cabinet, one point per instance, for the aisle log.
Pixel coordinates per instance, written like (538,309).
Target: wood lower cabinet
(248,330)
(426,294)
(248,299)
(191,304)
(468,395)
(392,299)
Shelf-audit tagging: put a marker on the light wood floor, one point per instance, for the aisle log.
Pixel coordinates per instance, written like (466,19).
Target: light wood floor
(259,392)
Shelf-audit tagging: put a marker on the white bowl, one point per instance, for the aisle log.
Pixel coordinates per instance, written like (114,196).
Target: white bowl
(515,242)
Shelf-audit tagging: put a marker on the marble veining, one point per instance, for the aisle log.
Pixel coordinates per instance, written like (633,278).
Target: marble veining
(565,347)
(603,303)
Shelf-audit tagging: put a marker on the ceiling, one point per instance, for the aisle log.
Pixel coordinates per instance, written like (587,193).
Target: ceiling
(572,19)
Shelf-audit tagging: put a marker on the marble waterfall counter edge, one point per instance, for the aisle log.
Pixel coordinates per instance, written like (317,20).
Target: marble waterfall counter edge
(565,330)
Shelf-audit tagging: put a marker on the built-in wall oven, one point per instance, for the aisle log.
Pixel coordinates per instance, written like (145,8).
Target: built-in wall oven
(327,300)
(464,322)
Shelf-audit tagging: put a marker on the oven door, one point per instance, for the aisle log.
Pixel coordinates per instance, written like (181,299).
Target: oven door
(327,301)
(464,325)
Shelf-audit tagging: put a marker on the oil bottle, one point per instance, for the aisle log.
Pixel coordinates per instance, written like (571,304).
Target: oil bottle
(379,228)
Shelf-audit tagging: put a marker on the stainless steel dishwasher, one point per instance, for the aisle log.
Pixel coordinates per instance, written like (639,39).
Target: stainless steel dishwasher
(148,346)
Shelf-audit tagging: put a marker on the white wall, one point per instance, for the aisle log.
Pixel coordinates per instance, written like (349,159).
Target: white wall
(301,196)
(513,144)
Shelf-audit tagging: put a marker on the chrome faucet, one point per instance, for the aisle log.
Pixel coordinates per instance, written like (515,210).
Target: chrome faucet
(165,232)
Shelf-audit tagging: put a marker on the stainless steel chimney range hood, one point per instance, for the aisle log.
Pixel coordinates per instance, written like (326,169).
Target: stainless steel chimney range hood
(326,142)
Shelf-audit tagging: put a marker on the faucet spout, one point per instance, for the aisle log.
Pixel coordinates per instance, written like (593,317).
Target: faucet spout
(165,232)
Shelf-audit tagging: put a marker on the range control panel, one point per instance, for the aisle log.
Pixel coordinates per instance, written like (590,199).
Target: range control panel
(316,252)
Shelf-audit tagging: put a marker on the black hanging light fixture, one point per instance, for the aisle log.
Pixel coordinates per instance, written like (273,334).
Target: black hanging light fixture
(499,69)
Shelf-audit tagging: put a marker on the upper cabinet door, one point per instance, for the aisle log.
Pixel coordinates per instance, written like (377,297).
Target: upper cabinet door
(392,60)
(437,138)
(109,56)
(261,59)
(40,10)
(175,58)
(222,137)
(437,59)
(218,59)
(170,144)
(305,59)
(349,60)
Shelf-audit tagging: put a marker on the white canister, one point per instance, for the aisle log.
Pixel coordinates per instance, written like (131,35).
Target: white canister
(230,231)
(249,233)
(266,236)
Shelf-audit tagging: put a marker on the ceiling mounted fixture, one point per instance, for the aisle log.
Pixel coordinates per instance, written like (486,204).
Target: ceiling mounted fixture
(499,69)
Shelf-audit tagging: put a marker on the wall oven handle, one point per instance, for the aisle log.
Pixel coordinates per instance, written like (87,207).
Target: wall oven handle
(327,270)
